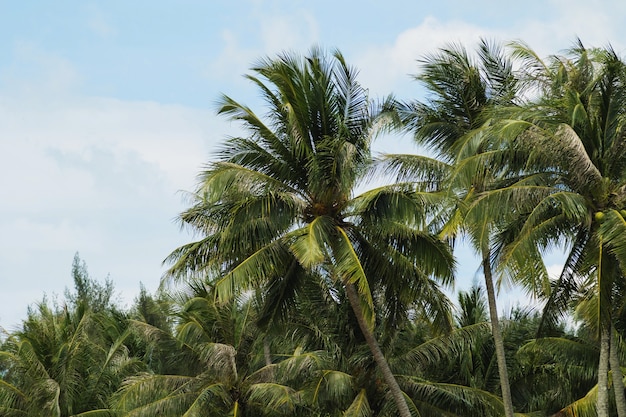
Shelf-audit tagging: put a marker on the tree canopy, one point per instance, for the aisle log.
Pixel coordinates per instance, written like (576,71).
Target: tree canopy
(311,290)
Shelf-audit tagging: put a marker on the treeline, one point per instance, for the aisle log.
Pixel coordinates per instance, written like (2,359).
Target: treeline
(305,296)
(185,352)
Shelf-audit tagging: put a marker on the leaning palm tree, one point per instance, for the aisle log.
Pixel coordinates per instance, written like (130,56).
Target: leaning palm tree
(573,135)
(279,206)
(462,91)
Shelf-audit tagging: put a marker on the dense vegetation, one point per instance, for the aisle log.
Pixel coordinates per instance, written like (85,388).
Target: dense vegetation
(306,296)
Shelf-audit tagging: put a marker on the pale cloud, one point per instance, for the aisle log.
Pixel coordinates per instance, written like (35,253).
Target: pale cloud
(35,234)
(388,68)
(554,270)
(547,37)
(385,68)
(173,139)
(97,175)
(596,23)
(99,23)
(272,34)
(296,32)
(233,60)
(36,71)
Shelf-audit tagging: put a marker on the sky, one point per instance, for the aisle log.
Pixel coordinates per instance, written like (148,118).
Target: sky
(107,110)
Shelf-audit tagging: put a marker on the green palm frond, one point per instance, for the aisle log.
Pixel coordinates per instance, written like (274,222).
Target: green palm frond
(333,386)
(583,407)
(350,270)
(272,396)
(446,346)
(452,400)
(144,393)
(253,270)
(578,357)
(360,406)
(613,232)
(566,286)
(278,296)
(408,167)
(98,413)
(309,242)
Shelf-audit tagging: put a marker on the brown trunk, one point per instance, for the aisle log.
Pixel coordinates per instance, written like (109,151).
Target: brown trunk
(497,337)
(379,358)
(616,375)
(602,405)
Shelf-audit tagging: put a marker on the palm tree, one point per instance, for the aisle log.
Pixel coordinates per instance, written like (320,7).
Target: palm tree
(456,373)
(278,207)
(64,362)
(462,93)
(220,370)
(573,137)
(559,373)
(476,366)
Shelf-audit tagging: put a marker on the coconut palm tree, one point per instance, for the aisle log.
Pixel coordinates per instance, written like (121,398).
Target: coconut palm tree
(572,133)
(462,92)
(220,369)
(64,362)
(279,206)
(559,373)
(348,384)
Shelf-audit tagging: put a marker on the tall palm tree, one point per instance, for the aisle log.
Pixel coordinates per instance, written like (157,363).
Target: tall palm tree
(280,206)
(573,135)
(462,91)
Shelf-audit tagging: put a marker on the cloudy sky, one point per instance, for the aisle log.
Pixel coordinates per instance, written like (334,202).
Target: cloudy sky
(107,109)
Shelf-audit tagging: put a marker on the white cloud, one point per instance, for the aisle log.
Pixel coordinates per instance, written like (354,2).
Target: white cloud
(99,23)
(271,34)
(95,175)
(385,68)
(596,23)
(233,60)
(296,32)
(36,71)
(554,270)
(173,139)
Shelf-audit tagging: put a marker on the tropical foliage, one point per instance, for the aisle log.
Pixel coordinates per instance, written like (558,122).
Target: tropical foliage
(311,292)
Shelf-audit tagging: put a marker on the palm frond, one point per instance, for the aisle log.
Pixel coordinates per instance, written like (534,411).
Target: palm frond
(360,406)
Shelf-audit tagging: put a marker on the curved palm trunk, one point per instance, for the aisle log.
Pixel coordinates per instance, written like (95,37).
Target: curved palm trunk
(617,376)
(497,337)
(379,358)
(602,405)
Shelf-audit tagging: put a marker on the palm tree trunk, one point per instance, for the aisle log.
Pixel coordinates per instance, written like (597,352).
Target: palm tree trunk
(497,336)
(379,358)
(602,405)
(617,376)
(267,355)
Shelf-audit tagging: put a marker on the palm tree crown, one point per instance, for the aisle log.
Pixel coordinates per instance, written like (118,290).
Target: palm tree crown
(572,133)
(279,205)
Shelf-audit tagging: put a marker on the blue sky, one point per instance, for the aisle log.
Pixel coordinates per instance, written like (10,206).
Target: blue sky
(107,109)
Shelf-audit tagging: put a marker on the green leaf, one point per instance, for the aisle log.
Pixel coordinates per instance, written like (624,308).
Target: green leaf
(349,269)
(360,406)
